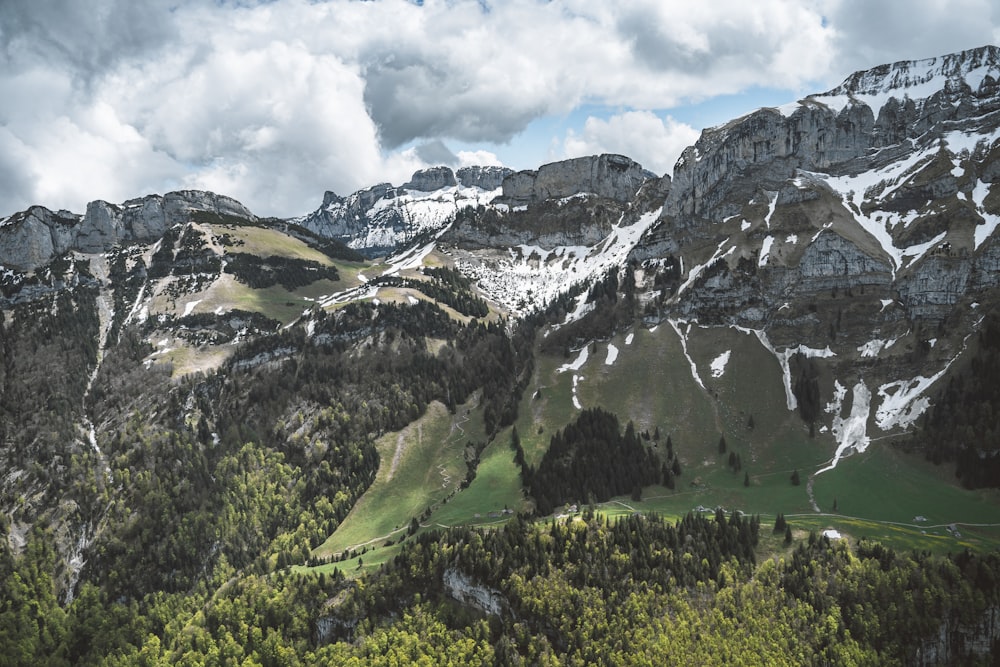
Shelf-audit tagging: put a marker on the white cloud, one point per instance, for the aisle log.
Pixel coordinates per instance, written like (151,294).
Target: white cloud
(642,135)
(273,103)
(478,158)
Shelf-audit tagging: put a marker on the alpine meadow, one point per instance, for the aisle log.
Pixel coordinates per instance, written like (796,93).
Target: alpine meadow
(745,413)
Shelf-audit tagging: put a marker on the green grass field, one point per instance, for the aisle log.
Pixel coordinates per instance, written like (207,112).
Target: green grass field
(420,466)
(265,242)
(879,493)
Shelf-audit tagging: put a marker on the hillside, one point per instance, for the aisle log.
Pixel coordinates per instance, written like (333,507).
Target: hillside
(221,432)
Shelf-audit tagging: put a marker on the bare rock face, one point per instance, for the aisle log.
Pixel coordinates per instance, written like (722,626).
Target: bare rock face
(578,221)
(484,178)
(429,180)
(884,183)
(32,238)
(35,237)
(610,176)
(379,219)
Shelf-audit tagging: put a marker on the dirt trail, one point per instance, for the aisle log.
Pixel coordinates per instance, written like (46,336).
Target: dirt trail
(401,447)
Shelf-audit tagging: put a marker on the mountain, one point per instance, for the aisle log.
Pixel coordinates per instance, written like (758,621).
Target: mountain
(200,407)
(383,217)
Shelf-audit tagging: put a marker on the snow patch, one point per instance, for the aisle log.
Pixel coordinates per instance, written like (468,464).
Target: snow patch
(698,268)
(612,355)
(839,392)
(719,364)
(783,358)
(871,348)
(765,250)
(851,433)
(683,336)
(628,338)
(576,398)
(773,196)
(903,402)
(744,226)
(990,221)
(521,281)
(576,364)
(190,306)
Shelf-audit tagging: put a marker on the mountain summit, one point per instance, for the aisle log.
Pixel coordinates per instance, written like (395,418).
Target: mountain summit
(214,418)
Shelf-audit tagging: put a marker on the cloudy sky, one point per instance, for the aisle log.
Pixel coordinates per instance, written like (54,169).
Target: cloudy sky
(273,102)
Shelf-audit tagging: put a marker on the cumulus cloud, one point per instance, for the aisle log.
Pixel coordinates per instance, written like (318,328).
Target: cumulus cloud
(478,158)
(653,142)
(275,102)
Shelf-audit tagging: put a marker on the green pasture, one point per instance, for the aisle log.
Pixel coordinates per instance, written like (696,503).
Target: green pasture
(420,466)
(879,493)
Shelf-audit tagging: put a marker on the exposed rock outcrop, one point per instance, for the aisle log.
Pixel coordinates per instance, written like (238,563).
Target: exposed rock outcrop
(484,178)
(429,180)
(610,176)
(32,238)
(462,588)
(380,219)
(35,237)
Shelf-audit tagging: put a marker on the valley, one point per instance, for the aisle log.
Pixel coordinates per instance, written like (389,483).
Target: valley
(487,401)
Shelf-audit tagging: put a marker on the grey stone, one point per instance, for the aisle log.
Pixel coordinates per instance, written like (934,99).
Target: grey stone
(611,176)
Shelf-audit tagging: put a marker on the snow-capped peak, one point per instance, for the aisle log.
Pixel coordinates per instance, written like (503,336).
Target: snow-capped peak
(927,76)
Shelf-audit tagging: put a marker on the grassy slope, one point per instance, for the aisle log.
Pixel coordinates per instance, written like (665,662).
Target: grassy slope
(878,493)
(429,465)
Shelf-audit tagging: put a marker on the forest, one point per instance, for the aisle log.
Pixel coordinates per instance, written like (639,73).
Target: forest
(200,500)
(635,590)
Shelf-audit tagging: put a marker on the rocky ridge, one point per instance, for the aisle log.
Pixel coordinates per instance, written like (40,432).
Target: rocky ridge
(33,238)
(383,218)
(866,213)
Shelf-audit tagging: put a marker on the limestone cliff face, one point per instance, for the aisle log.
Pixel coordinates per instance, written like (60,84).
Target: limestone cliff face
(578,221)
(485,178)
(885,183)
(429,180)
(35,237)
(382,218)
(32,238)
(614,177)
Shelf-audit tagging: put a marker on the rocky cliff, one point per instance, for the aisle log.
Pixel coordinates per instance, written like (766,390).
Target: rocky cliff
(35,237)
(383,218)
(897,164)
(614,177)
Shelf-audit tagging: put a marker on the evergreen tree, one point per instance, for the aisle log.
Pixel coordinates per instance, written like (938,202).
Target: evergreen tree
(788,534)
(795,478)
(746,479)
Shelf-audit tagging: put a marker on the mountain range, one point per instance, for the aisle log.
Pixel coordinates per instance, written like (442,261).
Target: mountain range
(811,279)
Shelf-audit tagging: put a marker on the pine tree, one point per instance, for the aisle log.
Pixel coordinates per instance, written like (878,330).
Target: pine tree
(722,444)
(746,480)
(788,534)
(795,478)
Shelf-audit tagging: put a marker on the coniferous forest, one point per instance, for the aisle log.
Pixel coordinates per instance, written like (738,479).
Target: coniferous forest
(212,492)
(201,500)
